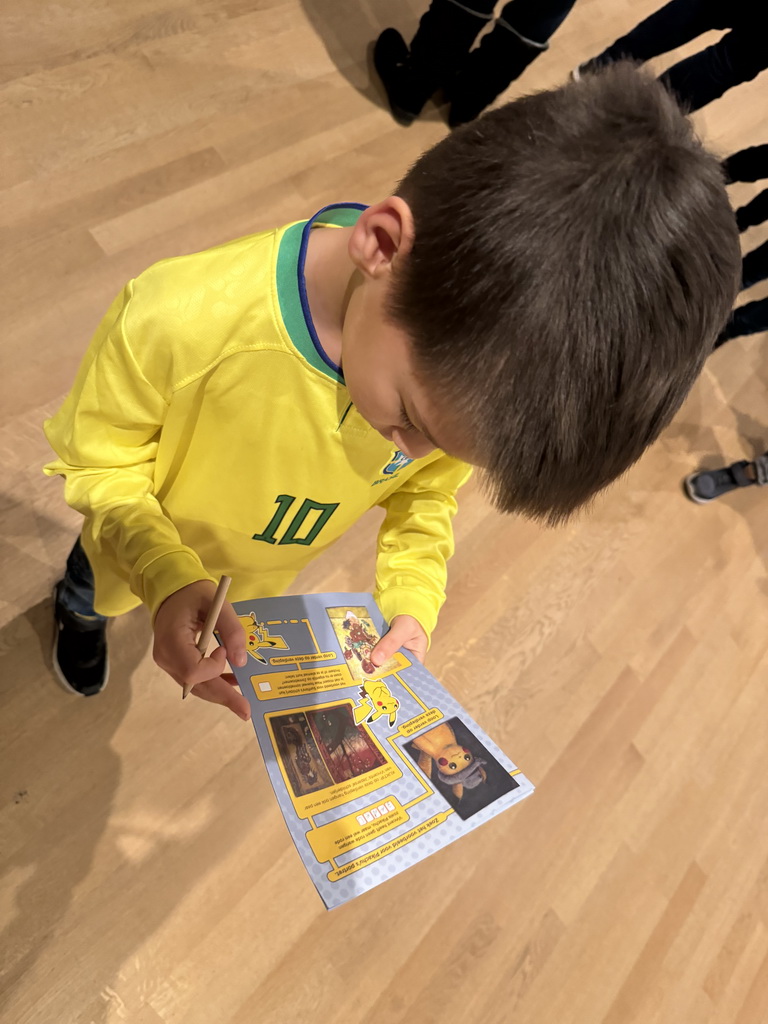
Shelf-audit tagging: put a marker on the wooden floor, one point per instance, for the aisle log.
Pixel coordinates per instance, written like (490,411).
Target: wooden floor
(622,661)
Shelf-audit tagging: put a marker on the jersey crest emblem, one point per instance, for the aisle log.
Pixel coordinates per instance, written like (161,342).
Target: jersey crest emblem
(396,463)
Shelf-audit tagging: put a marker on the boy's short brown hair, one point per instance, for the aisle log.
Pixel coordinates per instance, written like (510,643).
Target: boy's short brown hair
(575,257)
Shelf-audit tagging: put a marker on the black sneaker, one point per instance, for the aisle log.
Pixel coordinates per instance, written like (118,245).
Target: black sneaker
(707,485)
(79,652)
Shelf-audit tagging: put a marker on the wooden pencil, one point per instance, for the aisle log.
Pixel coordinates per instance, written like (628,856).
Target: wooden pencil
(210,623)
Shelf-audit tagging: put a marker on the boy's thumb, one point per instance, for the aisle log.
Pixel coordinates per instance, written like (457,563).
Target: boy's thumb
(232,635)
(386,647)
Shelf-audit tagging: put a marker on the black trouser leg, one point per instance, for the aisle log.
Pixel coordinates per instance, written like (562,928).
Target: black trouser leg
(753,212)
(444,37)
(748,164)
(751,318)
(754,266)
(738,57)
(75,593)
(536,20)
(519,36)
(671,26)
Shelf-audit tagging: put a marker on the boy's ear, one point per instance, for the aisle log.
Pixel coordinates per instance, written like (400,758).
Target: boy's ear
(382,234)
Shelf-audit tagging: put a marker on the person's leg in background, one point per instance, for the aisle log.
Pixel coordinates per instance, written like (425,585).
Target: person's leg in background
(751,318)
(671,26)
(754,212)
(411,74)
(754,266)
(749,164)
(80,647)
(738,57)
(520,35)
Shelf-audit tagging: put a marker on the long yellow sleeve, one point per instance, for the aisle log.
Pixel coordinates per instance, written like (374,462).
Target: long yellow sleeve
(416,541)
(106,436)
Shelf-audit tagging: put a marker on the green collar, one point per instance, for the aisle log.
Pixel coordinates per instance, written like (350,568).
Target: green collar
(291,285)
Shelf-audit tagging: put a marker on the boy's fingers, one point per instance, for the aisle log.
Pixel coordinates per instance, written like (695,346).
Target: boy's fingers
(176,628)
(187,665)
(232,635)
(417,649)
(221,691)
(389,643)
(405,631)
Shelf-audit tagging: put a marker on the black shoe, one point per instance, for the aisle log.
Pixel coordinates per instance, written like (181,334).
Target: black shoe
(79,652)
(392,61)
(411,75)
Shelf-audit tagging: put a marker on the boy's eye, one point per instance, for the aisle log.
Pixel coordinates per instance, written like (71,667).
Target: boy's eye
(405,423)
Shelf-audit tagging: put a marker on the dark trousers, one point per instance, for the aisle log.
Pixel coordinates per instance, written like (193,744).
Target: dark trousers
(737,57)
(751,318)
(449,28)
(537,20)
(754,266)
(753,212)
(76,591)
(749,164)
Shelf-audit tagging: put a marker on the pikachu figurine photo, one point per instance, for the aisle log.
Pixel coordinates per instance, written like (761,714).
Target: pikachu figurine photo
(456,766)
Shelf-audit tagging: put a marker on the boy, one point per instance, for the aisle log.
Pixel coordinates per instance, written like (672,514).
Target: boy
(535,300)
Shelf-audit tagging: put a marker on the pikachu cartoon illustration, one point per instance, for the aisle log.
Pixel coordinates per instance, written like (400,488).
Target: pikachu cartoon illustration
(376,701)
(456,765)
(257,636)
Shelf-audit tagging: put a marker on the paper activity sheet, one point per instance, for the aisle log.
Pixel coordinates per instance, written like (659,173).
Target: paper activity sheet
(373,769)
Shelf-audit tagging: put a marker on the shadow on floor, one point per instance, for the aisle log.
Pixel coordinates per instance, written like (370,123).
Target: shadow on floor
(59,782)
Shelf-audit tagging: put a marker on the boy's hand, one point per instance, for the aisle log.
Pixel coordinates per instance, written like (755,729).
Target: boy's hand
(177,625)
(404,631)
